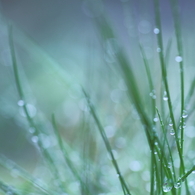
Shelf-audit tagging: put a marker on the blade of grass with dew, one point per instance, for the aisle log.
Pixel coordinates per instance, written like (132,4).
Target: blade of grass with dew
(177,25)
(173,176)
(107,144)
(167,143)
(22,173)
(164,75)
(125,67)
(154,166)
(48,157)
(178,33)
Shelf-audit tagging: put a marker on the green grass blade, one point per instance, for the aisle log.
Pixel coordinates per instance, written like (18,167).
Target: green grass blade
(107,144)
(164,75)
(178,33)
(149,76)
(45,153)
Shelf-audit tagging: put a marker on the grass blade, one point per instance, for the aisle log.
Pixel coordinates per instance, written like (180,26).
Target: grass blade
(107,144)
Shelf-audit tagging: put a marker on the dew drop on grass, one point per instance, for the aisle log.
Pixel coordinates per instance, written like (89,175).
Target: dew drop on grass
(178,59)
(172,132)
(156,31)
(165,98)
(158,49)
(177,184)
(167,186)
(155,119)
(169,165)
(153,94)
(184,114)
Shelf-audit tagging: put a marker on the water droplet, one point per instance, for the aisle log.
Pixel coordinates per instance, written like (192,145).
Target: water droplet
(165,98)
(177,184)
(153,94)
(184,114)
(158,49)
(156,31)
(155,119)
(167,186)
(172,132)
(178,59)
(35,139)
(21,103)
(169,165)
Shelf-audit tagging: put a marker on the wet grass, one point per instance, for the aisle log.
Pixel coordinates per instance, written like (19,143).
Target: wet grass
(102,158)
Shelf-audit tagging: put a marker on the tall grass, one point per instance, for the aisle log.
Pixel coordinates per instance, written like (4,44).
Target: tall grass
(116,158)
